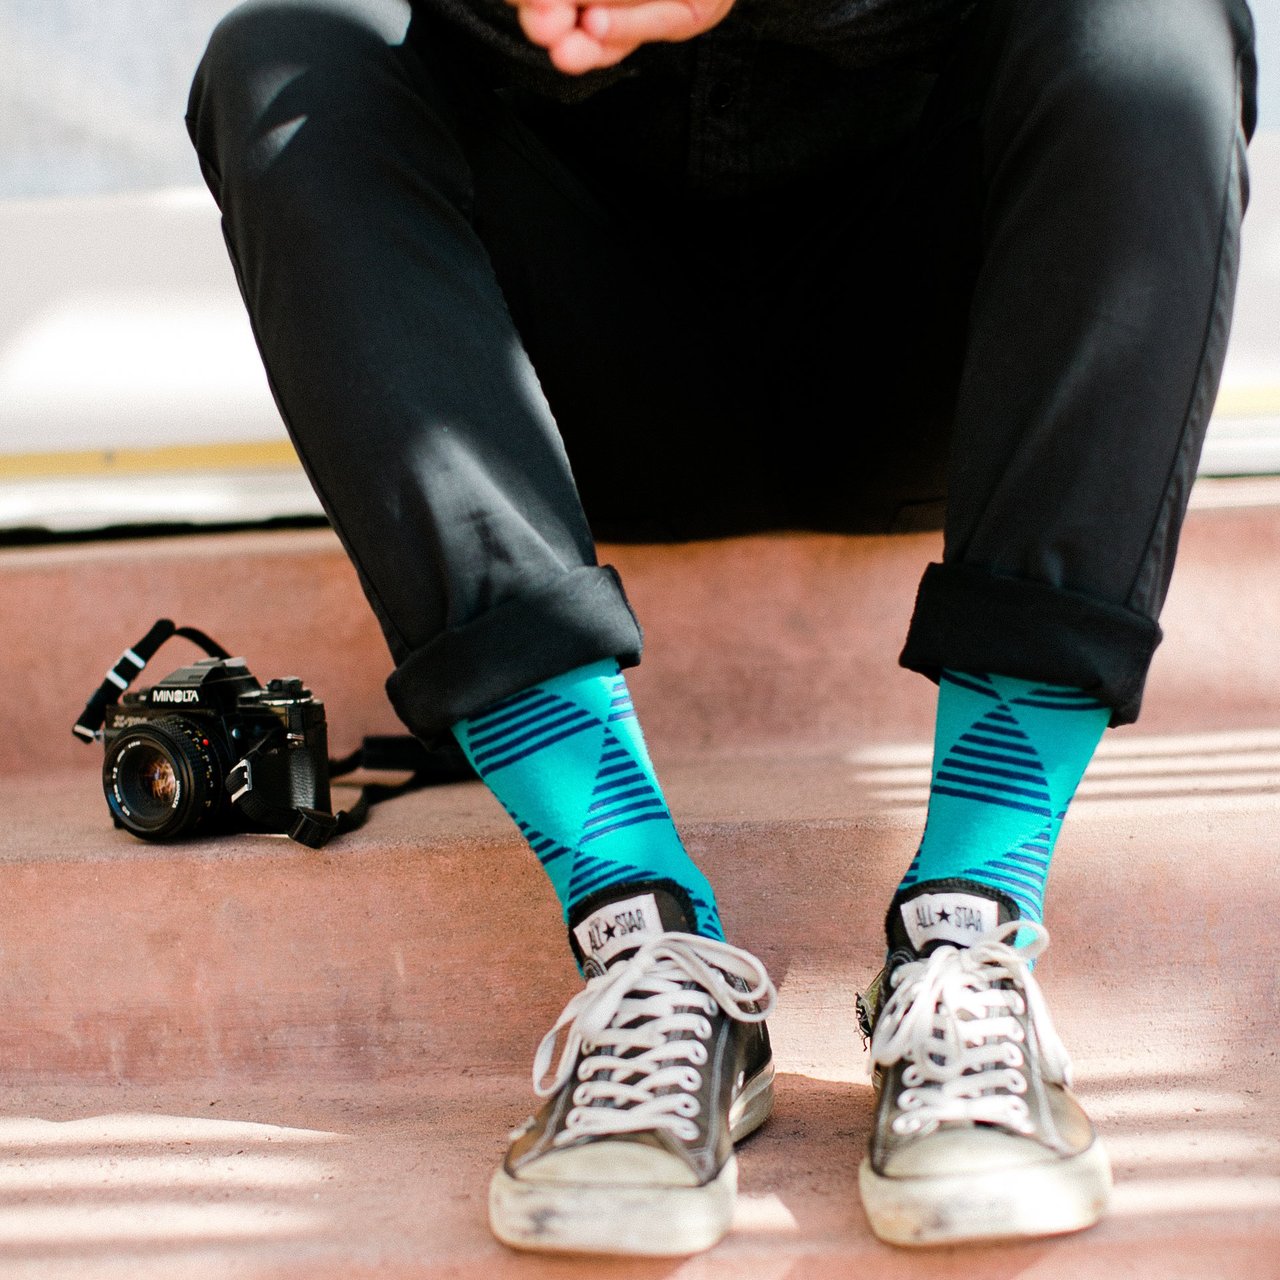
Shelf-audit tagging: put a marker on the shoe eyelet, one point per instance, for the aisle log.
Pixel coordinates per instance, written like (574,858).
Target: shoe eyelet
(691,1081)
(582,1096)
(1017,1083)
(912,1075)
(698,1053)
(687,1105)
(705,1029)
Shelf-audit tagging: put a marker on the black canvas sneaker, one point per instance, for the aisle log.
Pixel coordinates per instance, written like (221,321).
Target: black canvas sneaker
(665,1065)
(977,1135)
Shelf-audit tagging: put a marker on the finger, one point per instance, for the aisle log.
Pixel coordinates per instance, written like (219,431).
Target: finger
(636,24)
(617,4)
(579,52)
(544,24)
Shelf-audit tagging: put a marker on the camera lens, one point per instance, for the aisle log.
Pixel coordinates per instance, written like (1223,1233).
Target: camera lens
(163,779)
(150,786)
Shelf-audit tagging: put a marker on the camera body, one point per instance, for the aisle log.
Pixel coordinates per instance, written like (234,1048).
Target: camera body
(208,748)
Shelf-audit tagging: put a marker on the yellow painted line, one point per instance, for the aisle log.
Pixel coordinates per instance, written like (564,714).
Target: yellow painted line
(246,455)
(1233,402)
(1248,402)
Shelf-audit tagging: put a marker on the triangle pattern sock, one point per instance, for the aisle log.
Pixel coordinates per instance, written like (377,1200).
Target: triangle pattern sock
(1008,757)
(567,760)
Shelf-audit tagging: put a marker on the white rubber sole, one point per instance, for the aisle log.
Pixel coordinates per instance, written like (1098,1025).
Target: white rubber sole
(1035,1200)
(635,1220)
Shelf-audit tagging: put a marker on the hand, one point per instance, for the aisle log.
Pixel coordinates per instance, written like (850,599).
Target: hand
(601,33)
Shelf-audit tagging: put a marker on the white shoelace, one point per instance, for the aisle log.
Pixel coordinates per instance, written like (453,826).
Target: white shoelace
(653,1087)
(954,1017)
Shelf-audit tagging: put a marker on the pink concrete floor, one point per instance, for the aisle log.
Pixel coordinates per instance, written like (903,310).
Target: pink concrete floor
(240,1058)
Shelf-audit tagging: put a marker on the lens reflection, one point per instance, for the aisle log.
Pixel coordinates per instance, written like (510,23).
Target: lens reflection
(148,782)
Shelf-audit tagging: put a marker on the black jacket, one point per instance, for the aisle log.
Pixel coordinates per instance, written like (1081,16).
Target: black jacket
(779,89)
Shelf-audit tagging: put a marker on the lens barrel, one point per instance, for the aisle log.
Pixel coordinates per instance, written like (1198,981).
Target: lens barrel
(163,779)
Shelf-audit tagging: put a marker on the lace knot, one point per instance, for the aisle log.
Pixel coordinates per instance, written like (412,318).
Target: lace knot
(638,1034)
(956,1019)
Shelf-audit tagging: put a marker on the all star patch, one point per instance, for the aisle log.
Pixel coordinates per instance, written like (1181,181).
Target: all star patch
(613,928)
(948,917)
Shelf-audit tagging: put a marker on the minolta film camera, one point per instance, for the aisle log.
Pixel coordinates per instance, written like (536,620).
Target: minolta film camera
(209,748)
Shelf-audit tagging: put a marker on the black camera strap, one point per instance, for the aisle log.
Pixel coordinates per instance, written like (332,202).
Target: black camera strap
(311,827)
(399,753)
(129,666)
(426,765)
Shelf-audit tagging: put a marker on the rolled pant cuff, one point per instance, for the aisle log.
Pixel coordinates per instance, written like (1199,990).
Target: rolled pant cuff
(967,619)
(579,618)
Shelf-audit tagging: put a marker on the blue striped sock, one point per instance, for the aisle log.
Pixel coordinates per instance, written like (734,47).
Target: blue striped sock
(568,762)
(1008,756)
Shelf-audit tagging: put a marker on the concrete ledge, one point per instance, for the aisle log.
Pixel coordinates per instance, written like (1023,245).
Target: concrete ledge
(431,935)
(753,645)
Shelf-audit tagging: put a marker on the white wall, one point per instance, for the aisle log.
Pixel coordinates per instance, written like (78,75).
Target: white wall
(92,92)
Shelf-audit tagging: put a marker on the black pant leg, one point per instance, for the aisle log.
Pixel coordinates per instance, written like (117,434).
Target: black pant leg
(349,205)
(1110,141)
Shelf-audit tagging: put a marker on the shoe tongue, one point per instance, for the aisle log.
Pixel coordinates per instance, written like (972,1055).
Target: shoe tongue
(952,912)
(606,928)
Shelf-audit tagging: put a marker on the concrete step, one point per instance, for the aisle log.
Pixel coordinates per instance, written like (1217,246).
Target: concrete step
(237,1057)
(432,931)
(754,645)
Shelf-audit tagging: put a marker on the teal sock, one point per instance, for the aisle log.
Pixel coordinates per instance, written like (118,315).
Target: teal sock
(1008,755)
(568,762)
